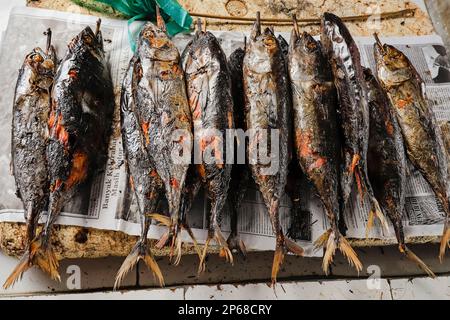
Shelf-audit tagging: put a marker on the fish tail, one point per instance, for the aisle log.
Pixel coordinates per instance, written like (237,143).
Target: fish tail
(376,212)
(445,241)
(411,256)
(174,230)
(283,246)
(224,252)
(188,229)
(23,265)
(140,251)
(235,242)
(38,253)
(44,256)
(165,221)
(332,240)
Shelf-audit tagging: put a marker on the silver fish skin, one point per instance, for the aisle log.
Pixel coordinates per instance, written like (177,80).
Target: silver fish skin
(210,100)
(387,163)
(316,138)
(163,113)
(421,133)
(145,181)
(268,108)
(345,61)
(29,132)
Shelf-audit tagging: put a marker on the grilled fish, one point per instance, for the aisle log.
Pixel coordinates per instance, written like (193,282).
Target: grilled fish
(209,92)
(348,74)
(79,126)
(29,132)
(240,174)
(317,136)
(164,116)
(445,129)
(386,160)
(268,106)
(422,135)
(145,181)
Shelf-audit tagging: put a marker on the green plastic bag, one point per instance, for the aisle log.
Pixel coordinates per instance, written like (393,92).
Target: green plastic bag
(176,17)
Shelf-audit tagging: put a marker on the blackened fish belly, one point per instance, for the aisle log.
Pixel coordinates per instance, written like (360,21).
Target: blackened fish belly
(386,161)
(209,92)
(422,135)
(316,137)
(268,106)
(29,131)
(348,75)
(79,125)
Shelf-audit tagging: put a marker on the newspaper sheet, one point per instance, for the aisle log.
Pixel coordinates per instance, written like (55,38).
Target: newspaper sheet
(107,203)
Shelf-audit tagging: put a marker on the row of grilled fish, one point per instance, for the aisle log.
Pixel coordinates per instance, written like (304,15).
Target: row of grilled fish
(62,117)
(308,91)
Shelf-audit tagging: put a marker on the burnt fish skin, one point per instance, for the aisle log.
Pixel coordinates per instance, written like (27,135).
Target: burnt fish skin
(316,137)
(29,133)
(240,173)
(386,160)
(145,181)
(345,61)
(164,116)
(268,106)
(422,135)
(211,104)
(79,125)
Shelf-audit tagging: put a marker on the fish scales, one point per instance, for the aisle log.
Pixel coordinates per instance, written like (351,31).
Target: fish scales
(211,104)
(422,135)
(387,163)
(316,139)
(268,106)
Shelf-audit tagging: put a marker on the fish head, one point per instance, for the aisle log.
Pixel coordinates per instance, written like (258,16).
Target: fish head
(393,67)
(305,56)
(261,50)
(154,43)
(89,41)
(203,53)
(42,67)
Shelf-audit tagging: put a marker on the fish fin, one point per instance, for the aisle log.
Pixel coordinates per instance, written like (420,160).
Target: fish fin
(375,212)
(139,252)
(39,255)
(348,252)
(235,242)
(202,263)
(332,240)
(188,229)
(23,265)
(294,248)
(161,219)
(445,242)
(225,251)
(280,251)
(278,258)
(162,241)
(44,257)
(411,256)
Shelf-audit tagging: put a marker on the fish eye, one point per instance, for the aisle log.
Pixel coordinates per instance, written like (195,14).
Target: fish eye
(87,39)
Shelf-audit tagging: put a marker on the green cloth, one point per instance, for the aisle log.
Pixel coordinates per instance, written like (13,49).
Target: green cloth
(176,17)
